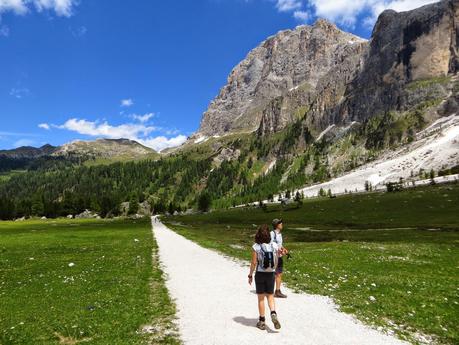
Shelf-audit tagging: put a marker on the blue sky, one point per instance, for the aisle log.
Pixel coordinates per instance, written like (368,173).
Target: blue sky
(140,69)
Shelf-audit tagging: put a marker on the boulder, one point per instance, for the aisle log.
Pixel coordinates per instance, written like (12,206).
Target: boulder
(86,214)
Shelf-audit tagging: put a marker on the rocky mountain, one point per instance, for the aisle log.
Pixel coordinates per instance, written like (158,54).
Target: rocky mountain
(291,61)
(100,148)
(105,148)
(29,152)
(323,76)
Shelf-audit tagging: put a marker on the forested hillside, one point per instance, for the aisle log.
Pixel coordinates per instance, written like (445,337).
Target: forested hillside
(218,173)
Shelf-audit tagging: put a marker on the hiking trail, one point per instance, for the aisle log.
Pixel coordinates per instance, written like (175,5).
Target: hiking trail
(216,305)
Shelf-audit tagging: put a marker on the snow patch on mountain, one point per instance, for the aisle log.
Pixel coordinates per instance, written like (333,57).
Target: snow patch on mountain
(437,148)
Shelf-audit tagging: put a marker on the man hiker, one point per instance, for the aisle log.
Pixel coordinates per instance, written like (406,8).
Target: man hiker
(276,237)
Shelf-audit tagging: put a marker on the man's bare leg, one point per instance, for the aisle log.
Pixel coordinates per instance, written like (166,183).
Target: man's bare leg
(278,281)
(278,293)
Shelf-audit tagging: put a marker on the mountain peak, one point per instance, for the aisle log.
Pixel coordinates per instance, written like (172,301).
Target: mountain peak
(324,23)
(289,59)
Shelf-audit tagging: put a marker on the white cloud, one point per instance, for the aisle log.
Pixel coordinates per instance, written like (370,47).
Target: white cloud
(171,131)
(4,31)
(340,11)
(142,118)
(79,31)
(104,129)
(160,143)
(347,12)
(302,16)
(127,102)
(17,134)
(19,92)
(134,131)
(63,8)
(398,5)
(23,142)
(16,6)
(44,126)
(401,5)
(288,5)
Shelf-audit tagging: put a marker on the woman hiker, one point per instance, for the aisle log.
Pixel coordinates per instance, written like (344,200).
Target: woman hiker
(264,263)
(276,237)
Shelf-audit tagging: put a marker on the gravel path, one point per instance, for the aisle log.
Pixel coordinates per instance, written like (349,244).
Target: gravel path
(216,305)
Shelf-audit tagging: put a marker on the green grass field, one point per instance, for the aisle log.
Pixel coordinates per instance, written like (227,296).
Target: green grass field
(391,259)
(85,281)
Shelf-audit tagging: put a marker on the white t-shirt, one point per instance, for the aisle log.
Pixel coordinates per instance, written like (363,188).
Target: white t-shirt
(276,237)
(267,248)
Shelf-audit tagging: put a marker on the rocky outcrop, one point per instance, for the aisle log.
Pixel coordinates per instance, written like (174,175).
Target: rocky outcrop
(323,76)
(289,61)
(309,105)
(405,47)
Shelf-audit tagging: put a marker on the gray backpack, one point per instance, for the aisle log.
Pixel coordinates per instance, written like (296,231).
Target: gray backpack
(267,260)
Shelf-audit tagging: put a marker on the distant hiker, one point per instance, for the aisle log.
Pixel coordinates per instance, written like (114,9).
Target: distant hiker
(276,237)
(264,263)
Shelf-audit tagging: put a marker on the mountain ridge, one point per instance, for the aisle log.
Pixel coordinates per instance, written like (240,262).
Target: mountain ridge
(92,149)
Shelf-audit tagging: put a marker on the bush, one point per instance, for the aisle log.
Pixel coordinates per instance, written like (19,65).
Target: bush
(394,187)
(204,202)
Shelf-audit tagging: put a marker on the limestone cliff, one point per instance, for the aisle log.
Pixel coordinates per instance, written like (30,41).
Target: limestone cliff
(323,76)
(289,61)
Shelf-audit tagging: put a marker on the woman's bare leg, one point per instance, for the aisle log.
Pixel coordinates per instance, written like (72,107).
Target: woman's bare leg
(261,304)
(271,303)
(272,307)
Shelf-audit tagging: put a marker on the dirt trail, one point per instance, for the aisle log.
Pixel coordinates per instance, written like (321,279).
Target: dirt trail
(216,306)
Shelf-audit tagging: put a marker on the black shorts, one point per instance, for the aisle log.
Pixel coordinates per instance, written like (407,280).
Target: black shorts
(280,265)
(264,282)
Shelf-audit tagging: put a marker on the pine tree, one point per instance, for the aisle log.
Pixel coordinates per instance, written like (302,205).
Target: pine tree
(204,202)
(432,176)
(38,208)
(367,186)
(322,192)
(171,208)
(298,199)
(133,205)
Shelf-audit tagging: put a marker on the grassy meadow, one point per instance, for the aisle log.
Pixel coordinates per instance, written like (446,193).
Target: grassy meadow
(82,281)
(391,259)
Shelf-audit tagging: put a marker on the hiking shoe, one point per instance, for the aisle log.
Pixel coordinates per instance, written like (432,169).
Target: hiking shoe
(275,321)
(261,325)
(279,294)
